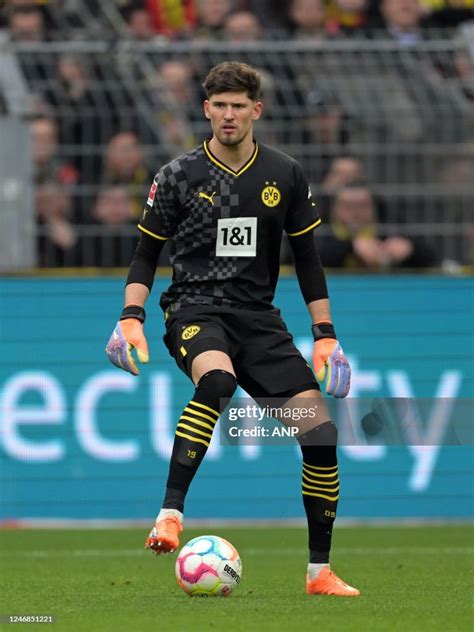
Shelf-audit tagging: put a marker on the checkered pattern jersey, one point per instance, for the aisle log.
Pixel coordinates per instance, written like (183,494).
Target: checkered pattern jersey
(196,196)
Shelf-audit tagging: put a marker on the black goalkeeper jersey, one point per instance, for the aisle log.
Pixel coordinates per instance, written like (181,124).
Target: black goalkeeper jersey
(225,227)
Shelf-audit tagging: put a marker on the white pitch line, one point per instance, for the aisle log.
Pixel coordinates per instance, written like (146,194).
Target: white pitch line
(467,550)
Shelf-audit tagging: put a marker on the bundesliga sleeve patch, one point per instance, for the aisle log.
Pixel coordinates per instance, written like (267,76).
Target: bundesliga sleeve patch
(152,193)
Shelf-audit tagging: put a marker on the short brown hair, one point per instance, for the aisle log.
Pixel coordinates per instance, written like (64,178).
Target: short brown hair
(233,76)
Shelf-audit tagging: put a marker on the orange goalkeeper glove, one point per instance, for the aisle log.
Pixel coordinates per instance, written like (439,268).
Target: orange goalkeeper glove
(128,335)
(329,361)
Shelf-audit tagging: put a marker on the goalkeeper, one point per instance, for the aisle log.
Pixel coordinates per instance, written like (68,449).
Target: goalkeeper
(223,206)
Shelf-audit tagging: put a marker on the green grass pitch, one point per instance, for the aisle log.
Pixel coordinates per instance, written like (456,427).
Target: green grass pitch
(411,578)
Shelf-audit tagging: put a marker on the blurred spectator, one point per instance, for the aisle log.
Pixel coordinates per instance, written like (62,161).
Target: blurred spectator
(53,198)
(325,118)
(268,131)
(343,170)
(113,213)
(347,17)
(463,65)
(458,171)
(402,20)
(448,13)
(26,23)
(124,164)
(273,14)
(48,167)
(57,238)
(73,77)
(327,127)
(355,240)
(140,27)
(242,26)
(211,17)
(308,18)
(456,177)
(175,99)
(373,13)
(113,206)
(434,5)
(55,13)
(85,111)
(172,19)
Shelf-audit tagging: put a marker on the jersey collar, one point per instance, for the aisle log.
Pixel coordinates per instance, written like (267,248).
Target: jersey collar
(224,167)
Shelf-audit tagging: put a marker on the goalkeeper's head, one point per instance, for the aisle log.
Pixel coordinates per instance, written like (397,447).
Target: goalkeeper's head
(233,76)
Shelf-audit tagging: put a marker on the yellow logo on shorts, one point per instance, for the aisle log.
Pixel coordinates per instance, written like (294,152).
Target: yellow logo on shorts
(271,195)
(190,332)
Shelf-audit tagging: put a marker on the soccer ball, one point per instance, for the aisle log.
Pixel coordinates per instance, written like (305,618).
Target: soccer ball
(208,566)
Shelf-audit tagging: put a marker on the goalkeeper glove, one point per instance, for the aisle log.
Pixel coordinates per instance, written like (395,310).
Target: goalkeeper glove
(329,360)
(128,335)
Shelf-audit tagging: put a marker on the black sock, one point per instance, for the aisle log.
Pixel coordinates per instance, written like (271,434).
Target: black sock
(320,488)
(194,433)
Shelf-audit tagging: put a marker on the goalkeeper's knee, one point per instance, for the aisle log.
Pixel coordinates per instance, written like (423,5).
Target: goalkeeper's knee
(198,419)
(214,386)
(323,435)
(318,446)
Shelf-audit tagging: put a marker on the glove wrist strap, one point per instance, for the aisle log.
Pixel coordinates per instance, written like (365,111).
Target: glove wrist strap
(133,311)
(323,330)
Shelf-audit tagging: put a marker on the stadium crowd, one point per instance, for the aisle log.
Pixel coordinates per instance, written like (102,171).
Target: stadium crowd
(405,20)
(374,130)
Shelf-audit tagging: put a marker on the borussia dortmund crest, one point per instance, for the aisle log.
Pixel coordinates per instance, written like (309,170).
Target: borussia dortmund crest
(190,332)
(271,195)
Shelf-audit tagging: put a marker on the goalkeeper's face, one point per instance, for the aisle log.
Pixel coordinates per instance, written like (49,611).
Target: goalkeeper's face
(232,115)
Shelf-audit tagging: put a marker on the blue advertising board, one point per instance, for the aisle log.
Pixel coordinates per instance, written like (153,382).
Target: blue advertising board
(82,439)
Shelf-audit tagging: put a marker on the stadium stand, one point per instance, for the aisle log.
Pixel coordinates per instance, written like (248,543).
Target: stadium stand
(403,107)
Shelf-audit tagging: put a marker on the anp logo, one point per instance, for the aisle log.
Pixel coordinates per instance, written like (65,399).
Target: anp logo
(190,332)
(271,195)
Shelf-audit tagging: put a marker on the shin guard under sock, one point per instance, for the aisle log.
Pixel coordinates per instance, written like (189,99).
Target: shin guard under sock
(194,433)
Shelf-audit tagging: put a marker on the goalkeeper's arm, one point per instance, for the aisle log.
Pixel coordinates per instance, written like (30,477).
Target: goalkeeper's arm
(128,333)
(329,360)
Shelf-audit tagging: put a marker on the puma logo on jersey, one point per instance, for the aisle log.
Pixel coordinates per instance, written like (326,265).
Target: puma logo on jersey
(209,198)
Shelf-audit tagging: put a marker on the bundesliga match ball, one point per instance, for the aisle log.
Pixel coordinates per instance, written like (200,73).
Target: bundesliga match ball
(208,566)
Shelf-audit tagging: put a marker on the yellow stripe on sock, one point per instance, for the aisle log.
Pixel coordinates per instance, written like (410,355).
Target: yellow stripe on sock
(318,482)
(313,467)
(322,489)
(196,412)
(199,432)
(319,475)
(198,422)
(333,498)
(211,410)
(185,436)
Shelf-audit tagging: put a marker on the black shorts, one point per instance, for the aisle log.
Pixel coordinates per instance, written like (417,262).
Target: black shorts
(264,357)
